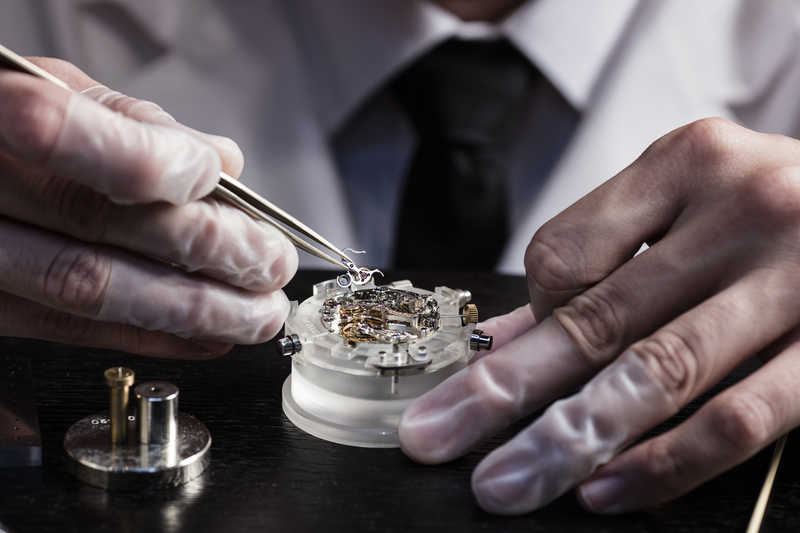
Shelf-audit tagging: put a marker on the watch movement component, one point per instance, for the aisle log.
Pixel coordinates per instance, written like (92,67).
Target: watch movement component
(162,447)
(478,341)
(470,313)
(360,356)
(381,314)
(289,345)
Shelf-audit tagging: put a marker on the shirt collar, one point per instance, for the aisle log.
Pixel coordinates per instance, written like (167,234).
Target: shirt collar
(569,41)
(352,52)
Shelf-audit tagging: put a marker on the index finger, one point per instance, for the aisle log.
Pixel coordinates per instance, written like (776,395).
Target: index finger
(141,110)
(77,138)
(491,393)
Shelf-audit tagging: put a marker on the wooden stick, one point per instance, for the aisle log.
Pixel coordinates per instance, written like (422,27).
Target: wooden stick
(761,505)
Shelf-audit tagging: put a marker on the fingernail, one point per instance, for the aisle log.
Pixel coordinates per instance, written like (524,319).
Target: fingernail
(603,495)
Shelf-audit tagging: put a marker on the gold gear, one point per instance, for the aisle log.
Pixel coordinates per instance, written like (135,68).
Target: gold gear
(470,313)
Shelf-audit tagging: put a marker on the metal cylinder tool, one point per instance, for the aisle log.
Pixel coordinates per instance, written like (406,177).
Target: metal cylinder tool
(157,447)
(157,412)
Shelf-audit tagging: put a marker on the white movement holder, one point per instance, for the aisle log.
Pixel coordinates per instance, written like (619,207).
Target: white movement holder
(354,393)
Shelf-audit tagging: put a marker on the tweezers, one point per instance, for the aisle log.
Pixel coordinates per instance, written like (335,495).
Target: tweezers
(228,189)
(260,208)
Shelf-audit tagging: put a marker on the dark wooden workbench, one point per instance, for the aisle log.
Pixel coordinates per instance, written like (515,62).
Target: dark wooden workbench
(266,475)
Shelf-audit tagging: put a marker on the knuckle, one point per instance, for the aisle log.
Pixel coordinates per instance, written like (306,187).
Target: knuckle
(706,142)
(142,110)
(194,317)
(498,387)
(673,359)
(141,166)
(122,103)
(665,463)
(202,243)
(84,212)
(77,279)
(190,172)
(203,312)
(743,420)
(553,261)
(36,121)
(284,267)
(774,196)
(274,316)
(269,329)
(596,321)
(144,184)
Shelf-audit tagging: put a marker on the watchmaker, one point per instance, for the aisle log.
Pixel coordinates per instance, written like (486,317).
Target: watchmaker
(497,135)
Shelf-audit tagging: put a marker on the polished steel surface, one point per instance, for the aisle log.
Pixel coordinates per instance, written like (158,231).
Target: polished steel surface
(289,345)
(157,412)
(478,341)
(95,460)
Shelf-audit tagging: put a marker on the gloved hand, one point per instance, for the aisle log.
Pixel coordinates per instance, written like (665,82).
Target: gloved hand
(99,194)
(643,334)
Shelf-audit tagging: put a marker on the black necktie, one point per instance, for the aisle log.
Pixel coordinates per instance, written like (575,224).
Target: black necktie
(462,98)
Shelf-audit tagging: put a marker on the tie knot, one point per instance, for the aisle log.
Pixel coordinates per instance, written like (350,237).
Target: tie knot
(464,92)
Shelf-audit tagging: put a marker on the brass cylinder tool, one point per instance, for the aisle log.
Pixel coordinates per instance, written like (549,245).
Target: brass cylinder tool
(156,447)
(119,380)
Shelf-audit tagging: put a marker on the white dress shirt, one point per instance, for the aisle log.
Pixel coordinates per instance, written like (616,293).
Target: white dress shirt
(282,77)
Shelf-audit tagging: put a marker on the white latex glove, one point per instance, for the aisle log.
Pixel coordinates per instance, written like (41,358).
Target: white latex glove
(99,194)
(642,334)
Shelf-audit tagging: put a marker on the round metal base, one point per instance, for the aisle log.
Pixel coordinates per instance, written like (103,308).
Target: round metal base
(365,435)
(130,466)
